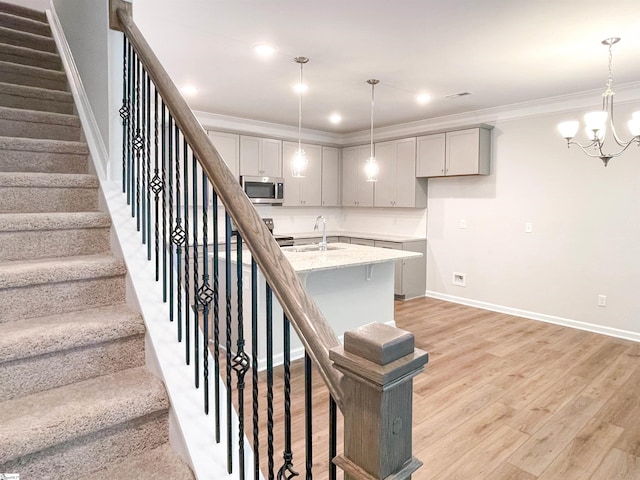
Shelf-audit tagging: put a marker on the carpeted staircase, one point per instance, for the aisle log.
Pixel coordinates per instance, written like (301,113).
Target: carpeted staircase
(75,398)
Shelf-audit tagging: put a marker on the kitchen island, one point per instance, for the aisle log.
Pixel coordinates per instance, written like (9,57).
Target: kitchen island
(351,284)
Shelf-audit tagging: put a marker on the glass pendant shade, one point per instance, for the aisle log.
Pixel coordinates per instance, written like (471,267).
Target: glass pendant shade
(634,124)
(299,163)
(371,169)
(569,129)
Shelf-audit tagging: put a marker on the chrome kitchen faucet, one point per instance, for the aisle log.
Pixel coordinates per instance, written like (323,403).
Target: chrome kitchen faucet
(323,243)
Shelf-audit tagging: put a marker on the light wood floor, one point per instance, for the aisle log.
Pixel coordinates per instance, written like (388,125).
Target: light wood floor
(501,398)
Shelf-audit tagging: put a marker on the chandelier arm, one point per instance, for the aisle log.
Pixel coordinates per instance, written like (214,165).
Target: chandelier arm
(601,153)
(585,148)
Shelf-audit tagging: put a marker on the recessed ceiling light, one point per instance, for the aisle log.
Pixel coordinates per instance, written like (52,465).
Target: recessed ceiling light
(264,50)
(335,118)
(423,98)
(189,90)
(300,87)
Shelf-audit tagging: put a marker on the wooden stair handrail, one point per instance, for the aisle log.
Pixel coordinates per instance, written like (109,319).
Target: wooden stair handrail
(308,321)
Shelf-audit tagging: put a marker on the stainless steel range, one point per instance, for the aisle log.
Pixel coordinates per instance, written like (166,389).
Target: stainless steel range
(283,240)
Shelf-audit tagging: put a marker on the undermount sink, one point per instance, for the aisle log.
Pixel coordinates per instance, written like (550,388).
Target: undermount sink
(310,248)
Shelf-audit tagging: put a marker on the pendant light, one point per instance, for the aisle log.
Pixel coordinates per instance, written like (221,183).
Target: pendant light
(371,167)
(299,161)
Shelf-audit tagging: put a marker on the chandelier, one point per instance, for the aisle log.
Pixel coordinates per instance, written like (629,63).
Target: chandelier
(599,121)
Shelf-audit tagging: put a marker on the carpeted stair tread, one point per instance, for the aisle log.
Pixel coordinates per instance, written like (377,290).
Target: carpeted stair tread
(14,222)
(24,24)
(35,98)
(19,114)
(20,273)
(43,145)
(22,11)
(35,422)
(29,56)
(27,39)
(29,75)
(38,336)
(161,463)
(48,180)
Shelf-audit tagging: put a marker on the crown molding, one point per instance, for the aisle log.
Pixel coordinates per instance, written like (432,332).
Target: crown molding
(626,93)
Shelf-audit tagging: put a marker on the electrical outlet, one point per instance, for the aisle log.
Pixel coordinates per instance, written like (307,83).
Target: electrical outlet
(463,223)
(459,279)
(528,227)
(602,300)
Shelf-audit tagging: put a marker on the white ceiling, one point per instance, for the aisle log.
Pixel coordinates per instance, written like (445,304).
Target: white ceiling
(503,51)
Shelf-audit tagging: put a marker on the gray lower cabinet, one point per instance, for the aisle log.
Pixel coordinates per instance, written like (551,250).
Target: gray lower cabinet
(411,273)
(314,240)
(363,241)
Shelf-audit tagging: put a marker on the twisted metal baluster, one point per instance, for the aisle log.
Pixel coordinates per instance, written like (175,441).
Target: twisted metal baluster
(138,143)
(147,177)
(179,237)
(144,159)
(124,112)
(333,437)
(134,123)
(205,294)
(169,130)
(216,313)
(187,313)
(241,359)
(165,240)
(130,112)
(227,251)
(157,186)
(196,313)
(269,307)
(308,416)
(254,367)
(287,471)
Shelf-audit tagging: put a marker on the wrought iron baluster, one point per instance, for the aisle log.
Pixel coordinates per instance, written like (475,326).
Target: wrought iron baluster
(196,313)
(205,294)
(169,130)
(144,159)
(124,111)
(228,287)
(187,311)
(216,313)
(333,437)
(241,360)
(166,242)
(147,177)
(138,142)
(287,471)
(269,315)
(179,236)
(157,186)
(254,368)
(132,136)
(308,416)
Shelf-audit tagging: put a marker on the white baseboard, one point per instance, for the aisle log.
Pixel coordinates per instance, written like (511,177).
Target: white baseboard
(90,128)
(566,322)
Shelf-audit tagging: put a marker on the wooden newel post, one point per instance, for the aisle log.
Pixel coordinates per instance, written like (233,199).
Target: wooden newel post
(378,362)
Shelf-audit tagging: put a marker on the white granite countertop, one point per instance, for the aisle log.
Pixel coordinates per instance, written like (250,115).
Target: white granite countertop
(308,258)
(387,237)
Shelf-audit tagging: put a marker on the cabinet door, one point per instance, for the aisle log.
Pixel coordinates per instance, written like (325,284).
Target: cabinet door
(228,146)
(405,187)
(431,156)
(385,188)
(350,177)
(311,185)
(250,156)
(330,177)
(399,264)
(362,241)
(271,157)
(462,152)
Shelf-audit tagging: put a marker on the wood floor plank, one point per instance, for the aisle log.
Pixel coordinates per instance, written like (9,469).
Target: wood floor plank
(611,379)
(583,454)
(506,471)
(618,465)
(547,443)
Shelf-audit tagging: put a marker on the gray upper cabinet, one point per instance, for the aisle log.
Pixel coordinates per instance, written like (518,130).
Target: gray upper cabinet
(397,185)
(460,152)
(330,177)
(304,191)
(356,191)
(260,156)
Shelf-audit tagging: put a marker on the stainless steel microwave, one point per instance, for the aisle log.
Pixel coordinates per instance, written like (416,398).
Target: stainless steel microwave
(263,190)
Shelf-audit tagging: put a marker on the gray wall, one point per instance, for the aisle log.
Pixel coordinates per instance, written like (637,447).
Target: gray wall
(86,28)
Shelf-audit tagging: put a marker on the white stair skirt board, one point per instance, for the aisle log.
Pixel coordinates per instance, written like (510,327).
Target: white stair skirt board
(85,113)
(207,459)
(566,322)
